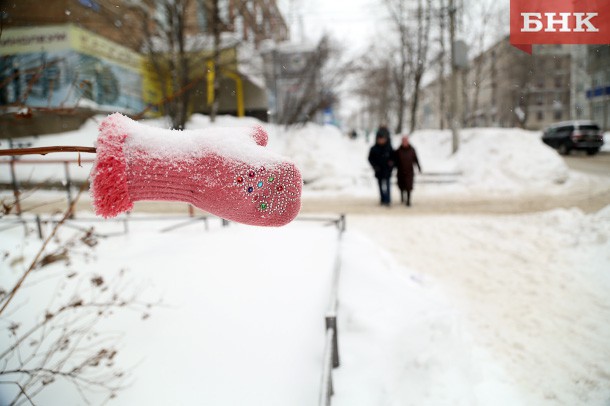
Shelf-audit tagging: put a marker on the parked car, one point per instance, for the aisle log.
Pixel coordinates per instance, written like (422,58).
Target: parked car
(576,134)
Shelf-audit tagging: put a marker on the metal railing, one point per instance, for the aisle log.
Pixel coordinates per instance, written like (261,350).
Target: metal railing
(331,348)
(438,177)
(42,221)
(67,182)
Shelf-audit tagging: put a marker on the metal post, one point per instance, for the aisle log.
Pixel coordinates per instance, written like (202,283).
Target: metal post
(326,389)
(342,223)
(331,323)
(39,227)
(15,184)
(68,182)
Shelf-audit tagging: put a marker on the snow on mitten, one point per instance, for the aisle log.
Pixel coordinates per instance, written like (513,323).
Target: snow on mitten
(223,171)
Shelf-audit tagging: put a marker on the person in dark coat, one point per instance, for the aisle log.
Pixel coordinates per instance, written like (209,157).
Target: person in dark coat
(405,158)
(380,158)
(383,131)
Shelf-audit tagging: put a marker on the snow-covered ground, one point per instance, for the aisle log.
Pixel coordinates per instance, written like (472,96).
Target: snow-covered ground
(434,309)
(533,291)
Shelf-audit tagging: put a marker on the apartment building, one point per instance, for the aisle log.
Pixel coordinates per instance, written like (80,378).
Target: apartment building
(505,87)
(598,89)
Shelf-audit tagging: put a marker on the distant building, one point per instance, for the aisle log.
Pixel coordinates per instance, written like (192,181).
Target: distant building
(253,21)
(286,68)
(505,87)
(65,66)
(598,91)
(84,56)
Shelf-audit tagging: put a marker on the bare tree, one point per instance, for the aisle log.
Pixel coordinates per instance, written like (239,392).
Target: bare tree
(442,61)
(412,54)
(373,78)
(64,342)
(480,73)
(164,27)
(212,8)
(176,46)
(316,85)
(419,61)
(399,14)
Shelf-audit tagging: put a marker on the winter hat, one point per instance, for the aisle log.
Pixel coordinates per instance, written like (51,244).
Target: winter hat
(224,171)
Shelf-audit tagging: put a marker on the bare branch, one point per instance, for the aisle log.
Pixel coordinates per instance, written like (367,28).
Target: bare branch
(45,150)
(34,262)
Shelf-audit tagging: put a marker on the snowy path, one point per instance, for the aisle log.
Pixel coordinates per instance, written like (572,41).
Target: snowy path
(533,287)
(586,196)
(598,164)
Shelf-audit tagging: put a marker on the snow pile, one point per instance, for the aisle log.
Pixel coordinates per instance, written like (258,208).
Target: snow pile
(606,146)
(329,160)
(493,160)
(400,341)
(533,289)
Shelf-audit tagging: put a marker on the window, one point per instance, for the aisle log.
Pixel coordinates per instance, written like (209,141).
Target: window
(589,127)
(90,4)
(202,19)
(558,82)
(540,115)
(557,115)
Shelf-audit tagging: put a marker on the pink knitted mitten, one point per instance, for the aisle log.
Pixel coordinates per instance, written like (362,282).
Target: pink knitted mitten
(226,172)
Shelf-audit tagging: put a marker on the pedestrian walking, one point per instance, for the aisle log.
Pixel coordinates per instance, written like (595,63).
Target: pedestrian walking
(405,158)
(380,158)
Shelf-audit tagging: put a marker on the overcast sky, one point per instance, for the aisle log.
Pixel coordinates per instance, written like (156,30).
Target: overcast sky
(352,22)
(355,23)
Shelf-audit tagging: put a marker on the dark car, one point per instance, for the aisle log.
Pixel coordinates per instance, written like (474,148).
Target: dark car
(578,134)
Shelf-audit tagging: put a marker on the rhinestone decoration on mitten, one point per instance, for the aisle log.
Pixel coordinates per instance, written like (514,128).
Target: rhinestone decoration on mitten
(269,190)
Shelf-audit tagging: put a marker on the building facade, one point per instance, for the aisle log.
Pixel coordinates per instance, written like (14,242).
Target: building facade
(598,91)
(252,21)
(505,87)
(93,54)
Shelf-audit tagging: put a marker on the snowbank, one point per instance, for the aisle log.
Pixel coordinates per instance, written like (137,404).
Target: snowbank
(533,289)
(493,160)
(329,160)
